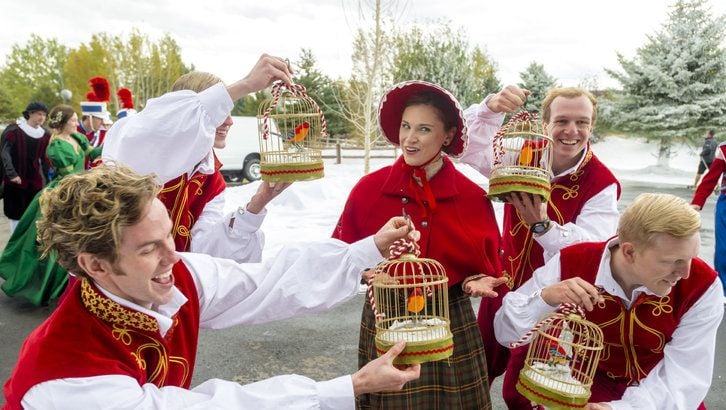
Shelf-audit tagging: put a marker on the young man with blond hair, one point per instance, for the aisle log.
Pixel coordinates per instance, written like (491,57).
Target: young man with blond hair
(582,205)
(126,334)
(658,305)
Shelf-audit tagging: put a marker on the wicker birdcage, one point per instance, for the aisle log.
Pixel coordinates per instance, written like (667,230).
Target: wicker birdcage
(291,127)
(410,300)
(522,158)
(561,361)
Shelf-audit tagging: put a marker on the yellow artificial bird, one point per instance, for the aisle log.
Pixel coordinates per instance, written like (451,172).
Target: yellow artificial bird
(525,156)
(416,301)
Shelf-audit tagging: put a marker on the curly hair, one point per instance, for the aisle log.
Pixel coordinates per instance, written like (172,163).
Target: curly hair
(87,212)
(59,116)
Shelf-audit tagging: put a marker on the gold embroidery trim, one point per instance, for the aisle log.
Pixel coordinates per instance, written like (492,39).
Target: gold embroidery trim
(110,311)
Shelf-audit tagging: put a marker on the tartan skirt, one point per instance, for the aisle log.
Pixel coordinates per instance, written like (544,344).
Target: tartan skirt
(459,382)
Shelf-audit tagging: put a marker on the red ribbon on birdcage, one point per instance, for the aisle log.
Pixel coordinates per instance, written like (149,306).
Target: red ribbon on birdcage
(564,310)
(296,90)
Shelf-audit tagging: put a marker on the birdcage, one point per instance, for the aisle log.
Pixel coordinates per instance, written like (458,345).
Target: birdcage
(291,127)
(522,158)
(410,300)
(561,360)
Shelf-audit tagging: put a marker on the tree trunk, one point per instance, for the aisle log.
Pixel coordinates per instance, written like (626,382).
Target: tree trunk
(664,152)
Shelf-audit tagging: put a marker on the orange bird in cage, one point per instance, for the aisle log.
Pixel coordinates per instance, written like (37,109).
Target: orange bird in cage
(525,156)
(416,301)
(301,131)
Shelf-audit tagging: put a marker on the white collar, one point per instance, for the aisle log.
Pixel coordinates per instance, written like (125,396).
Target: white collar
(205,166)
(606,280)
(163,314)
(32,132)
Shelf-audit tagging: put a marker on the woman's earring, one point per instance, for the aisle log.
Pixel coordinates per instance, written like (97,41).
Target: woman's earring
(446,143)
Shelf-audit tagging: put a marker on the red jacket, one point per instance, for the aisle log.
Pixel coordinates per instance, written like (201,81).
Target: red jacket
(461,233)
(90,335)
(716,171)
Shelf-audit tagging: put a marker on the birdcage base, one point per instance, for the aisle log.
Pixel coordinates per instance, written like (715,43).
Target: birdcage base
(291,172)
(421,351)
(557,390)
(500,186)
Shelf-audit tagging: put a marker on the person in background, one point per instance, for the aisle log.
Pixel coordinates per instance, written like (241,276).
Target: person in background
(126,336)
(657,304)
(186,124)
(458,229)
(716,172)
(23,159)
(27,275)
(706,157)
(582,205)
(126,98)
(94,112)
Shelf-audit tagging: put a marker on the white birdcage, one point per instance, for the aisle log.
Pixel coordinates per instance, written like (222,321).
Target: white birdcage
(291,128)
(410,300)
(522,158)
(561,360)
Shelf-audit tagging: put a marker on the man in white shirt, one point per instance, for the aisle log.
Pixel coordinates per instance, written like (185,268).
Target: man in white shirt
(582,206)
(658,305)
(126,334)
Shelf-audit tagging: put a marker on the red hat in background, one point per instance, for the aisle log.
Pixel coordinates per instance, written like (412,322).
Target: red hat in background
(127,103)
(97,98)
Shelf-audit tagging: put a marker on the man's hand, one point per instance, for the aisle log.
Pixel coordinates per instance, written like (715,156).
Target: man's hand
(694,206)
(380,374)
(16,180)
(396,228)
(266,192)
(267,70)
(484,286)
(574,290)
(598,406)
(509,99)
(530,207)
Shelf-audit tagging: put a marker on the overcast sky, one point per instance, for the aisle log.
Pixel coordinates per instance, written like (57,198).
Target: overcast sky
(573,39)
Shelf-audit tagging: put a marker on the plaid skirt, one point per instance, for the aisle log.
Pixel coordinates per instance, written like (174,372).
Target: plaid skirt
(459,382)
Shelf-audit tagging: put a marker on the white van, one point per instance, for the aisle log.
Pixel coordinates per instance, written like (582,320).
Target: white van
(241,156)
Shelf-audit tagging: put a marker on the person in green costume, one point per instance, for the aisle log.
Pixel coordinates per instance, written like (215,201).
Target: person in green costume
(26,274)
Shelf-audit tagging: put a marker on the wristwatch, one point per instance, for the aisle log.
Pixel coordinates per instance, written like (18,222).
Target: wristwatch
(541,227)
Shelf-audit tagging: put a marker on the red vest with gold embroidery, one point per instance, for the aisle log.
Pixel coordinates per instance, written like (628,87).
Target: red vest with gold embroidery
(185,199)
(91,335)
(634,338)
(522,254)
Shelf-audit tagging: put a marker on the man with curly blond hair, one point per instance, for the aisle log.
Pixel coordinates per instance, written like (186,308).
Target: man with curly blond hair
(126,334)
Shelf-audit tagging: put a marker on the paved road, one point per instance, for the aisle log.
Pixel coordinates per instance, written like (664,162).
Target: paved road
(322,346)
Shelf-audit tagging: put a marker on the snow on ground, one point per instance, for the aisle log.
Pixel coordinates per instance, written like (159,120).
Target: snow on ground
(308,211)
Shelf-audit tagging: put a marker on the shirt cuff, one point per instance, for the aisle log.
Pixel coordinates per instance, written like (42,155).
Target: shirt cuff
(365,253)
(247,222)
(217,103)
(336,393)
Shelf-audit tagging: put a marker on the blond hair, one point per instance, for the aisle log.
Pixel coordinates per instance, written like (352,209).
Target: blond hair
(86,212)
(196,81)
(652,214)
(567,92)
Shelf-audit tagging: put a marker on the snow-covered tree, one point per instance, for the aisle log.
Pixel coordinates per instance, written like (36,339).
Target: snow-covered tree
(675,87)
(535,79)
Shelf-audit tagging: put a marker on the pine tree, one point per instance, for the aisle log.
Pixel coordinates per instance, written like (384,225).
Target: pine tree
(538,82)
(675,87)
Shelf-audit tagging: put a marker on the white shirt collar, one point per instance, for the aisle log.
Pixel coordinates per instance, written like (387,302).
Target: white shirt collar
(163,314)
(205,166)
(32,132)
(606,280)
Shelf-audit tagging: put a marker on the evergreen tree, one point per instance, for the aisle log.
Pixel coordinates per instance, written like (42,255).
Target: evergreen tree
(535,79)
(442,56)
(321,89)
(675,87)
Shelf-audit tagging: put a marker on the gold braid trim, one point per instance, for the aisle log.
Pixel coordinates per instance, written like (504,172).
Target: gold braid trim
(110,311)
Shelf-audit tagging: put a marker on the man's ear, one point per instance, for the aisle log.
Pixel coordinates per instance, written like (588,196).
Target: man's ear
(96,267)
(628,251)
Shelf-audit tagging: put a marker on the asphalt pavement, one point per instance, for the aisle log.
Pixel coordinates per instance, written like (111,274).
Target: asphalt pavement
(321,346)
